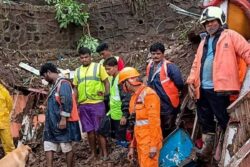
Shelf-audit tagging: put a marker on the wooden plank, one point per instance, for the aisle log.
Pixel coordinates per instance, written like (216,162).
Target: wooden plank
(234,142)
(237,102)
(29,68)
(239,157)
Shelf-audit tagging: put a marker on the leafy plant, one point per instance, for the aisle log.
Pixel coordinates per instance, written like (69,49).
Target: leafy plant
(89,42)
(69,11)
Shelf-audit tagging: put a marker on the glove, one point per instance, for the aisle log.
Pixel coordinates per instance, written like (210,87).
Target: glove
(152,155)
(152,152)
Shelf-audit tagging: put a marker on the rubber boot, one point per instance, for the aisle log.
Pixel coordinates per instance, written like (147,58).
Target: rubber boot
(205,153)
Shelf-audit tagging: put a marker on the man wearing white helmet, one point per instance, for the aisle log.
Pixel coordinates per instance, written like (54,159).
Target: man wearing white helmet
(214,74)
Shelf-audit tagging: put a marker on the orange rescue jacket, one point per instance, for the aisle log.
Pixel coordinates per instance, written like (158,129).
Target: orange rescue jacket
(147,131)
(168,85)
(230,46)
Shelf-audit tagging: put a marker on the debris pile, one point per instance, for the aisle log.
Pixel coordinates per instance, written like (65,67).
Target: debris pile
(15,76)
(82,151)
(178,51)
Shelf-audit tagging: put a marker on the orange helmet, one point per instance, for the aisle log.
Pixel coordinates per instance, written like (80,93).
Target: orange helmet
(128,72)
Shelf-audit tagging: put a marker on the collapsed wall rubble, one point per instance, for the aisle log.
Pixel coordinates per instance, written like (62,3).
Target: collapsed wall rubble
(13,75)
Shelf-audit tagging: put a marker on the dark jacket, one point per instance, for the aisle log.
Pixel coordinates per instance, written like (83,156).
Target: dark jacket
(175,75)
(125,98)
(53,115)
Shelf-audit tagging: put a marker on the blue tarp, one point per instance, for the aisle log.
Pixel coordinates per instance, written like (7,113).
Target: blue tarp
(177,147)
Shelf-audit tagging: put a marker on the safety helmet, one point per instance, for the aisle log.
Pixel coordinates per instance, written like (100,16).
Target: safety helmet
(126,73)
(212,13)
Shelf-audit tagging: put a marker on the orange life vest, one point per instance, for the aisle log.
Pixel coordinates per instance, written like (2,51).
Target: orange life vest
(168,85)
(74,113)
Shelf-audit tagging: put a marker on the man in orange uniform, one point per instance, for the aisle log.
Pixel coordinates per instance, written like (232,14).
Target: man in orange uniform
(145,106)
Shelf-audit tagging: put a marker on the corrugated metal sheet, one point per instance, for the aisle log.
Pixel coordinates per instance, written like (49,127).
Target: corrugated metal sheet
(26,105)
(17,113)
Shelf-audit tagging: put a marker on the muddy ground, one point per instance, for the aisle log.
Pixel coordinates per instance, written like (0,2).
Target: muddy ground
(82,152)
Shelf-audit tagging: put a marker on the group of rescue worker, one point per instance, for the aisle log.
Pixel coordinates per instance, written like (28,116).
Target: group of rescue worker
(110,100)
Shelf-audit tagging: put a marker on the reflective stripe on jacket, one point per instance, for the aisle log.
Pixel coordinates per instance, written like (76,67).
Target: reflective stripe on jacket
(89,84)
(225,66)
(115,100)
(74,112)
(168,85)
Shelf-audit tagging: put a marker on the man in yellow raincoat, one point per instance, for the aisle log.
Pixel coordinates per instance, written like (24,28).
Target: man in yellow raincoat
(5,109)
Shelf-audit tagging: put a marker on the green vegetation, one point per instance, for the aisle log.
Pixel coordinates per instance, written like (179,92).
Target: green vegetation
(69,11)
(89,42)
(72,12)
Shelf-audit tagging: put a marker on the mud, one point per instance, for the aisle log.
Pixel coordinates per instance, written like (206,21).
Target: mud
(82,153)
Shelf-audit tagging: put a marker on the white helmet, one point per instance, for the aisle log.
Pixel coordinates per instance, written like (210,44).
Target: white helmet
(212,13)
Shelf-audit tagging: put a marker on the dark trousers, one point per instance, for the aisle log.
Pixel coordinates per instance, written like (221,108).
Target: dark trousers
(118,131)
(112,128)
(168,123)
(209,105)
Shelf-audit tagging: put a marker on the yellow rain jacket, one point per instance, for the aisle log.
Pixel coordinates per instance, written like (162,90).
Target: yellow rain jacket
(5,109)
(6,105)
